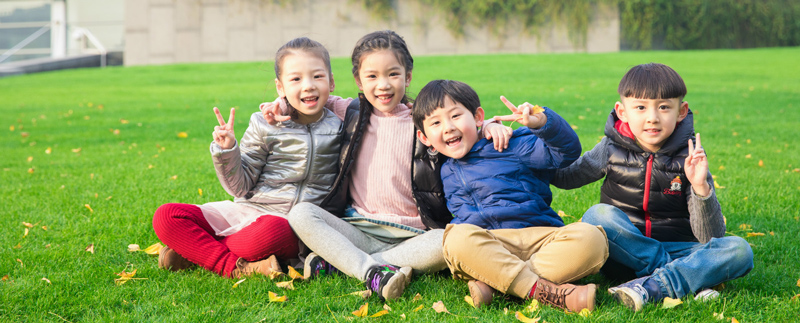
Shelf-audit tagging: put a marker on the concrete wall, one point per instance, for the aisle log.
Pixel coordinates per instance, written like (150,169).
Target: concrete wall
(177,31)
(105,19)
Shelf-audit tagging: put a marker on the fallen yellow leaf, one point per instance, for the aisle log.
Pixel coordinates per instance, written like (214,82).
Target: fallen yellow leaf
(236,284)
(200,191)
(364,294)
(522,318)
(44,227)
(20,262)
(123,121)
(183,135)
(745,226)
(273,298)
(174,177)
(287,284)
(798,283)
(116,131)
(47,280)
(417,297)
(26,233)
(27,224)
(721,167)
(754,234)
(11,128)
(533,306)
(795,297)
(361,311)
(90,248)
(386,307)
(124,277)
(275,274)
(133,247)
(734,320)
(719,316)
(153,249)
(418,308)
(748,156)
(671,302)
(293,274)
(77,150)
(439,307)
(585,312)
(89,207)
(31,170)
(563,214)
(5,278)
(30,159)
(469,300)
(380,313)
(18,246)
(48,150)
(760,163)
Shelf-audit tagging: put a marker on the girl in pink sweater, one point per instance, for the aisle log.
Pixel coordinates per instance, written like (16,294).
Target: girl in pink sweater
(386,213)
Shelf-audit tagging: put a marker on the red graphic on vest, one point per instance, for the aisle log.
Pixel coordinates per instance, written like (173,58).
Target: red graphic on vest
(674,187)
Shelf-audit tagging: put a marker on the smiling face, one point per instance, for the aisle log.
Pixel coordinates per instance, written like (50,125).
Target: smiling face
(306,82)
(382,79)
(452,130)
(652,121)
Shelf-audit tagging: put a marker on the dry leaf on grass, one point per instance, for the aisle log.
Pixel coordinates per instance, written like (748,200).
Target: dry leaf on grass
(236,284)
(183,135)
(153,249)
(293,274)
(26,233)
(89,207)
(754,234)
(28,224)
(380,313)
(133,247)
(439,307)
(362,311)
(418,308)
(20,262)
(585,312)
(124,277)
(417,297)
(5,278)
(273,298)
(533,306)
(522,318)
(287,284)
(90,248)
(275,274)
(671,302)
(47,280)
(469,300)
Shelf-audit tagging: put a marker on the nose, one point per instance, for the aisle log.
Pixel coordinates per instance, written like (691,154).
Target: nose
(308,84)
(448,126)
(652,115)
(383,83)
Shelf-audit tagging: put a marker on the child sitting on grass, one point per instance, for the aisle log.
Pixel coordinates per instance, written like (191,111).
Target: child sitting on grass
(270,170)
(504,234)
(663,220)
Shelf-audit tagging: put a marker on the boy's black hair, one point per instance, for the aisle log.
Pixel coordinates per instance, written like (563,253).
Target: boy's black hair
(652,81)
(431,97)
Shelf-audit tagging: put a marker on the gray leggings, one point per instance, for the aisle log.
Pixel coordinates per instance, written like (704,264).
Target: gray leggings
(353,251)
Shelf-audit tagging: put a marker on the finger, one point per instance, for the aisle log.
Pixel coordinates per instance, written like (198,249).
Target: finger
(691,147)
(410,105)
(526,114)
(699,146)
(219,117)
(508,104)
(507,118)
(282,118)
(230,119)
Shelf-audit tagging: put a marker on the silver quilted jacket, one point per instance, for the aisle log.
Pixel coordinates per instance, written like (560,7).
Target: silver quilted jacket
(275,167)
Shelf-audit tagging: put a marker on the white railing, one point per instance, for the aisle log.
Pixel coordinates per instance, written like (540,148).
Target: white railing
(82,35)
(24,43)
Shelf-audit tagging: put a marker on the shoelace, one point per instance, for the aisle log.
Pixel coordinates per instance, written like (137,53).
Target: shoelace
(554,296)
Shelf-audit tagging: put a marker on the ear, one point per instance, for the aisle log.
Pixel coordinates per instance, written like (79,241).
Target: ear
(333,85)
(620,109)
(279,87)
(422,138)
(358,82)
(408,79)
(479,114)
(683,111)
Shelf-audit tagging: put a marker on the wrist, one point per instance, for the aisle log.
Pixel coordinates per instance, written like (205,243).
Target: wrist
(703,190)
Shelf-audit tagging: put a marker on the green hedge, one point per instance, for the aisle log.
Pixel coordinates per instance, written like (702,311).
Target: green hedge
(645,24)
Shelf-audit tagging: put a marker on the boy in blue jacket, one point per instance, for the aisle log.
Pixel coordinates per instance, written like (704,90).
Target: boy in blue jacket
(504,233)
(658,206)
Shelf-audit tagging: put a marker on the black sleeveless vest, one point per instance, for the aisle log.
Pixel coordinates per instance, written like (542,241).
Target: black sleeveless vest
(651,188)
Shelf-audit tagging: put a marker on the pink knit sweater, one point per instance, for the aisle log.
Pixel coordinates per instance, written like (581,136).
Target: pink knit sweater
(380,180)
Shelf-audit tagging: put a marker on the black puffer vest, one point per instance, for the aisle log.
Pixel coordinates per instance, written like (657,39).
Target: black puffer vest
(651,188)
(426,183)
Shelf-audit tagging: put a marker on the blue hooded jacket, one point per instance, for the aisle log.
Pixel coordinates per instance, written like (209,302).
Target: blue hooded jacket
(511,189)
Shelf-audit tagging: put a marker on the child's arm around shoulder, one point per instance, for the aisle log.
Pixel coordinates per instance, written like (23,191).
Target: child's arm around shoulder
(587,169)
(238,167)
(277,111)
(558,145)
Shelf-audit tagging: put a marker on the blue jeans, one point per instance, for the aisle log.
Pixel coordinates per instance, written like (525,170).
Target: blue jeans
(679,267)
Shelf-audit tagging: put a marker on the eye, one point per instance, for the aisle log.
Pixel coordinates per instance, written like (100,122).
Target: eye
(663,107)
(370,76)
(455,116)
(640,108)
(434,123)
(294,79)
(394,74)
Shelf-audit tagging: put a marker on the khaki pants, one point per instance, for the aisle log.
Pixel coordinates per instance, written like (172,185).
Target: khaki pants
(512,260)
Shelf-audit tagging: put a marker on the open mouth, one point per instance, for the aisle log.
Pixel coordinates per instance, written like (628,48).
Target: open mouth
(385,98)
(310,100)
(453,141)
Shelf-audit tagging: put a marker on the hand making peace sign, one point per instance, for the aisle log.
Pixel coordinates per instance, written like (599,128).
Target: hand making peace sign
(523,114)
(696,168)
(223,134)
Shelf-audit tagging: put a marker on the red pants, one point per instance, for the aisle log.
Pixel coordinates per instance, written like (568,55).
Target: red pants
(183,228)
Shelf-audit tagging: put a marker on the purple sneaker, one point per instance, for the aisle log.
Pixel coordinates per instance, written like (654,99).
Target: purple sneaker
(315,266)
(388,281)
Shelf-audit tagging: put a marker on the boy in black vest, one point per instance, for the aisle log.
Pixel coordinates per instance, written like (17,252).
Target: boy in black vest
(659,209)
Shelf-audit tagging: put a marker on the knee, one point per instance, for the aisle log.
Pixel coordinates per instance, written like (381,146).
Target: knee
(596,244)
(738,251)
(454,239)
(162,216)
(603,215)
(301,214)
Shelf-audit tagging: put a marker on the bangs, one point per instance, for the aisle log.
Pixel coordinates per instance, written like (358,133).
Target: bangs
(652,81)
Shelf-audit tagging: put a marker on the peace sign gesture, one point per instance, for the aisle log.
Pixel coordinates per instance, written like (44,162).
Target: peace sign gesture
(696,168)
(526,114)
(223,134)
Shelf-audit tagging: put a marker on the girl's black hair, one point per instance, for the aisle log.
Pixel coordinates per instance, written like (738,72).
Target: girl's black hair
(652,81)
(301,44)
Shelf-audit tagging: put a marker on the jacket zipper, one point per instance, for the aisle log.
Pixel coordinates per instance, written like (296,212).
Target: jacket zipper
(471,195)
(648,174)
(310,161)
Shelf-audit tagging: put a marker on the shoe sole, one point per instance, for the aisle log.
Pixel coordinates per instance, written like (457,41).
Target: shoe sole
(479,298)
(307,266)
(397,284)
(629,297)
(591,297)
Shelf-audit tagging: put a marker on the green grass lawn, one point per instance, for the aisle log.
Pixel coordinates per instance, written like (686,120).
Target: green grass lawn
(88,155)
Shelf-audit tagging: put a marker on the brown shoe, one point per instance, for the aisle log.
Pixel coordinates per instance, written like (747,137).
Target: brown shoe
(264,267)
(169,259)
(480,292)
(570,297)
